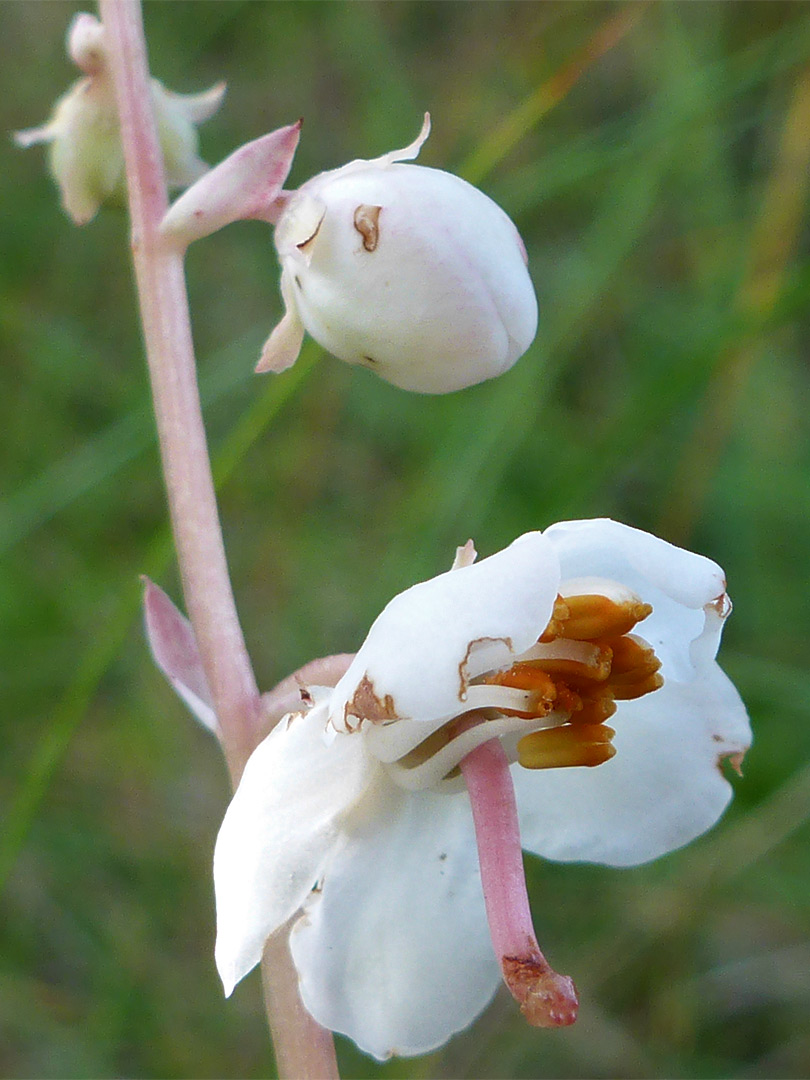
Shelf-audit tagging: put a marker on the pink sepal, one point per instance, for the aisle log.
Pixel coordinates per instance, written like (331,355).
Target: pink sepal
(174,650)
(246,185)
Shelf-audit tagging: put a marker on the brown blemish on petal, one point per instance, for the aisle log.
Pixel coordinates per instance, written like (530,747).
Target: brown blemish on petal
(306,245)
(366,221)
(546,998)
(735,759)
(366,705)
(722,605)
(463,672)
(306,697)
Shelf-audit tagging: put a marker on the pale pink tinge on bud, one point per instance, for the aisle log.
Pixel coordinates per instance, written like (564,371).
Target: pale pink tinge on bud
(174,650)
(85,155)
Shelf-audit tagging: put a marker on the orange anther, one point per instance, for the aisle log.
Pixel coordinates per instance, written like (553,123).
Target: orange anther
(566,746)
(524,676)
(629,691)
(632,654)
(595,710)
(592,616)
(555,624)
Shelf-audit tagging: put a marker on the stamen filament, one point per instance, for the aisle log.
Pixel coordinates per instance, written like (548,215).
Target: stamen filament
(546,998)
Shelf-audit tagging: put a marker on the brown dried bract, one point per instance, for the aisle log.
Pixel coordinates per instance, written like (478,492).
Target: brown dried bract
(365,705)
(367,223)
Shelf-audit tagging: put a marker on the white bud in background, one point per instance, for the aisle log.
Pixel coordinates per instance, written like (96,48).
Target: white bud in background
(409,271)
(85,154)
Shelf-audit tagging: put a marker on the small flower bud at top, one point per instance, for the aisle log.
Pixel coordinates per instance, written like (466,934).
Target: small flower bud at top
(407,270)
(85,154)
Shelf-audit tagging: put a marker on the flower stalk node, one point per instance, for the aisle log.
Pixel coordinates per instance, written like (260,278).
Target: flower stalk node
(546,998)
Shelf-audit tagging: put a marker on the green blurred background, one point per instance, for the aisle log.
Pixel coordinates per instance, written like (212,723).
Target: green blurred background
(655,158)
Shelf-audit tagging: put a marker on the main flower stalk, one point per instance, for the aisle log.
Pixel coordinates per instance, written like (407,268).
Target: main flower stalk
(303,1048)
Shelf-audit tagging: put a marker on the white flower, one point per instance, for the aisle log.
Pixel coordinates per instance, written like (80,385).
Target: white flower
(409,271)
(354,811)
(85,154)
(406,270)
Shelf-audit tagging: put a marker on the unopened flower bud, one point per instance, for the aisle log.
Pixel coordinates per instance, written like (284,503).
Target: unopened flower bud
(407,270)
(85,154)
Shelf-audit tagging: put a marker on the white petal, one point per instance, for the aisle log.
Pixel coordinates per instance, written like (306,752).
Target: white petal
(664,787)
(395,951)
(409,152)
(678,583)
(277,832)
(32,136)
(421,650)
(465,555)
(198,108)
(282,348)
(433,771)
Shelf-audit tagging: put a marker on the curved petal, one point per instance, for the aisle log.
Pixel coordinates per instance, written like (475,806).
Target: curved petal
(31,136)
(282,348)
(395,951)
(406,153)
(197,108)
(664,787)
(429,641)
(409,152)
(678,583)
(277,833)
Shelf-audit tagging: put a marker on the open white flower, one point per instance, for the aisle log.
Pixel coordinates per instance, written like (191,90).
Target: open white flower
(355,810)
(85,154)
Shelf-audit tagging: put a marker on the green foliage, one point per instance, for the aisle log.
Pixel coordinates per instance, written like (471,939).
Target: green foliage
(661,186)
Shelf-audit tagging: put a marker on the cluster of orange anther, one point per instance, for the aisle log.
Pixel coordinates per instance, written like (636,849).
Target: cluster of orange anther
(588,659)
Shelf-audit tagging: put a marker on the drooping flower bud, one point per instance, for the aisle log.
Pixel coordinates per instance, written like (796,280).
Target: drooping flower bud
(85,154)
(407,270)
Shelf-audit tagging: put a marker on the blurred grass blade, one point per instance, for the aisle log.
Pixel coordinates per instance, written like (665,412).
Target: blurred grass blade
(107,645)
(773,243)
(515,126)
(102,456)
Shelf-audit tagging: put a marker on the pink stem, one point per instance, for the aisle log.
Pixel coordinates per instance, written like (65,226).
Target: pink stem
(546,998)
(303,1048)
(172,369)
